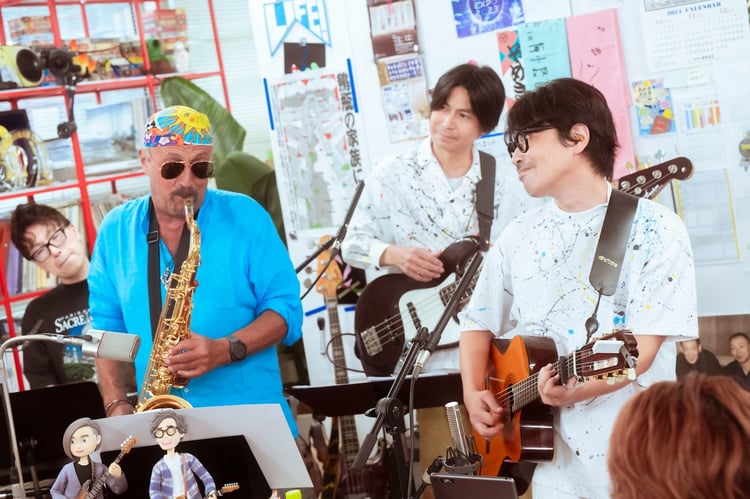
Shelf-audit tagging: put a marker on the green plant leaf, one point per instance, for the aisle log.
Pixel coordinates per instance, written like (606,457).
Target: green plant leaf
(228,134)
(243,172)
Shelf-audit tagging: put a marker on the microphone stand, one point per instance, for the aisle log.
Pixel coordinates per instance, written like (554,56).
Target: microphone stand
(389,409)
(335,241)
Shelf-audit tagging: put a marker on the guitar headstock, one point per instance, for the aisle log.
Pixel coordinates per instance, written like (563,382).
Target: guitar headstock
(127,444)
(648,182)
(612,355)
(229,487)
(331,275)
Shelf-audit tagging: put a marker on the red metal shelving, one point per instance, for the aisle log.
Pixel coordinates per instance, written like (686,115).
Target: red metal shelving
(149,82)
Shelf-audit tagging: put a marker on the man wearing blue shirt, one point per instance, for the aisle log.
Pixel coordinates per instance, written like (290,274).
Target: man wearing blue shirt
(247,297)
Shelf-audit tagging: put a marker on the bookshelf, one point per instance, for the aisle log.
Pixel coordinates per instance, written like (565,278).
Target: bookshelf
(85,174)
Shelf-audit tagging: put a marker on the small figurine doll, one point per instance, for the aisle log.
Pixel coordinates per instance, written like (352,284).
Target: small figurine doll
(175,474)
(84,476)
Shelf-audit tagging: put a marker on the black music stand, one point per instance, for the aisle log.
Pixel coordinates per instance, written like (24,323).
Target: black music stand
(357,397)
(41,417)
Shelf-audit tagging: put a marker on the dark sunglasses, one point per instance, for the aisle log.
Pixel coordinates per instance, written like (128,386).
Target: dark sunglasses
(520,139)
(173,169)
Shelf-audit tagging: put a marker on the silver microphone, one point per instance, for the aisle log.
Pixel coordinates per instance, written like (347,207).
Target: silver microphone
(461,457)
(103,344)
(456,427)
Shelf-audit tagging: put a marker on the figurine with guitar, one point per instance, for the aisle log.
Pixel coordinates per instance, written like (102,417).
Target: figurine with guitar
(541,327)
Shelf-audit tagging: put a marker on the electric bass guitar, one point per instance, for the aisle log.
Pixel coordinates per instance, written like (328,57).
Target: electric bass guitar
(513,374)
(90,491)
(392,307)
(339,481)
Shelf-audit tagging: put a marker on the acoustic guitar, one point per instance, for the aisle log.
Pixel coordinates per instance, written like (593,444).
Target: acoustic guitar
(513,375)
(392,307)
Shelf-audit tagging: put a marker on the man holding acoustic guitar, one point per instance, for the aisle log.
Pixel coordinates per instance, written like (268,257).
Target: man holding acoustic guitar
(416,204)
(535,283)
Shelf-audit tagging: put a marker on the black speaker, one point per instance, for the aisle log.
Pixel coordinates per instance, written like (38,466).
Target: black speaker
(19,67)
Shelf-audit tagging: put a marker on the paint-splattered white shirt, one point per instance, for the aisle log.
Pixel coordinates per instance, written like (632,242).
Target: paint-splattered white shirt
(538,272)
(408,201)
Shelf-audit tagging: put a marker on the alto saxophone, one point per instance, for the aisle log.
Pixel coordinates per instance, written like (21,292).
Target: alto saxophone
(173,327)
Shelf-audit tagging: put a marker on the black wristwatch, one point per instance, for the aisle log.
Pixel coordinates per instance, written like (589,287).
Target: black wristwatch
(237,349)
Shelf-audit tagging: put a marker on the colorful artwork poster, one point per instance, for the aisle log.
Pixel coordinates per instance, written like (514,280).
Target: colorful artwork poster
(653,107)
(511,66)
(393,28)
(304,56)
(318,147)
(474,17)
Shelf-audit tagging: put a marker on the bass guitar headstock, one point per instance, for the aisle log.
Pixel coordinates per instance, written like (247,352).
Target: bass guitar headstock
(648,182)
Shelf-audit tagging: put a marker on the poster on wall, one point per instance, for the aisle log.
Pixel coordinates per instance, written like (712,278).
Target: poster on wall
(318,160)
(404,97)
(302,56)
(393,28)
(653,107)
(545,44)
(596,57)
(281,17)
(475,17)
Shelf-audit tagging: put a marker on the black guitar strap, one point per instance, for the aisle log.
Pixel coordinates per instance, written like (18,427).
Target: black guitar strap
(485,199)
(610,251)
(605,270)
(154,272)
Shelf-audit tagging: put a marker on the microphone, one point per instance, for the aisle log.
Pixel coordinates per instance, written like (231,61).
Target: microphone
(460,458)
(103,344)
(434,338)
(339,237)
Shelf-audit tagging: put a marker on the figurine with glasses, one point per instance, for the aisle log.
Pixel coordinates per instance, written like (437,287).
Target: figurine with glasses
(174,475)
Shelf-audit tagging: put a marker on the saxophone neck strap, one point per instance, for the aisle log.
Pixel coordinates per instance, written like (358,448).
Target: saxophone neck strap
(154,264)
(485,198)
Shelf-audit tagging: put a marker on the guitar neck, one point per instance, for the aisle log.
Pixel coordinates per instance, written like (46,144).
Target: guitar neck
(97,487)
(527,390)
(349,438)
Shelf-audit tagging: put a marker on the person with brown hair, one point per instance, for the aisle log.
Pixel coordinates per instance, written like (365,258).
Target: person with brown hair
(688,439)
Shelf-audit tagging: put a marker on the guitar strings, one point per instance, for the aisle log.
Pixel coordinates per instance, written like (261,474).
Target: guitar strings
(528,391)
(386,330)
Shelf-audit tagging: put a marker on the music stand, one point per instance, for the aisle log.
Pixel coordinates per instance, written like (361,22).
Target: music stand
(357,397)
(253,441)
(41,416)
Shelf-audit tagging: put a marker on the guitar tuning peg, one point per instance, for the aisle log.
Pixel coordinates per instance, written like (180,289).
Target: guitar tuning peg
(611,380)
(631,374)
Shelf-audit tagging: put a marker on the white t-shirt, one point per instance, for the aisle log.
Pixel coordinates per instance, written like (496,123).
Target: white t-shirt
(408,201)
(535,281)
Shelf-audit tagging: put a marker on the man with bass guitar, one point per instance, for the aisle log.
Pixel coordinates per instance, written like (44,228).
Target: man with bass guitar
(416,204)
(535,282)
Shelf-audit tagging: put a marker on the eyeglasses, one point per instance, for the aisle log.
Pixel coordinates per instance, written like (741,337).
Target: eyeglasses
(173,169)
(56,239)
(520,139)
(169,430)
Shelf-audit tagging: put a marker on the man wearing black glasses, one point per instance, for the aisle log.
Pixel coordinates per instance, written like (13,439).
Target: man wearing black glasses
(46,237)
(247,297)
(535,281)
